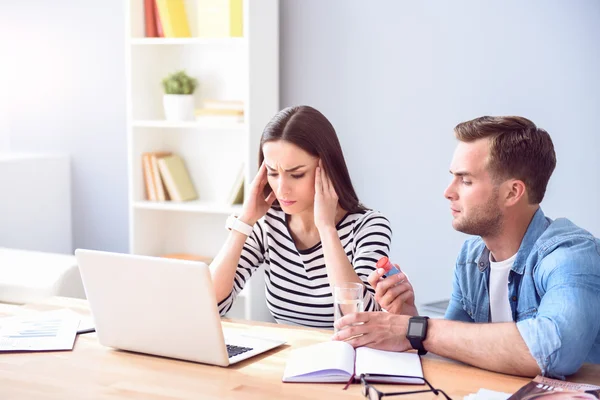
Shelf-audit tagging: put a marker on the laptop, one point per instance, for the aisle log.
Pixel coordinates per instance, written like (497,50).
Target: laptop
(161,306)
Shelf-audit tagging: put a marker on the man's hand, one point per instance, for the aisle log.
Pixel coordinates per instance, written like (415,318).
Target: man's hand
(395,293)
(378,330)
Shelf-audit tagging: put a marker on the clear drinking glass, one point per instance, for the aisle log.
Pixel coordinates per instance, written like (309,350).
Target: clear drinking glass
(347,299)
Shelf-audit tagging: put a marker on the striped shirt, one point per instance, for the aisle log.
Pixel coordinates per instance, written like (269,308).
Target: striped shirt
(297,289)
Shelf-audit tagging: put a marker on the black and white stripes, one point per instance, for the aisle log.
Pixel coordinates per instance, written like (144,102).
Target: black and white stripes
(297,288)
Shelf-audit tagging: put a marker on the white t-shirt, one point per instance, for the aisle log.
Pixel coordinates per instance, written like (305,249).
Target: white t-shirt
(499,305)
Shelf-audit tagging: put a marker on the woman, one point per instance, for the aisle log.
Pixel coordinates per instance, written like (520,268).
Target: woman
(303,220)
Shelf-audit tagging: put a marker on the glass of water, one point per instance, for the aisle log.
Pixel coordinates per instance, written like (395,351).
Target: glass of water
(347,299)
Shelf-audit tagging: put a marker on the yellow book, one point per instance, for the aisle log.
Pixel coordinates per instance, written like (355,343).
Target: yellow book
(220,18)
(236,18)
(176,178)
(173,18)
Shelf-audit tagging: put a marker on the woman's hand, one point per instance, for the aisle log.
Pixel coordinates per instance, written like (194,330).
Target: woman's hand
(326,200)
(256,206)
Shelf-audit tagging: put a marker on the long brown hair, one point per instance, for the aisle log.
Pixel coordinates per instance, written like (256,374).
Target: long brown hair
(518,149)
(308,129)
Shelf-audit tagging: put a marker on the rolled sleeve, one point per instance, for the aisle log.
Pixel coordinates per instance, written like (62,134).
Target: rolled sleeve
(542,338)
(567,323)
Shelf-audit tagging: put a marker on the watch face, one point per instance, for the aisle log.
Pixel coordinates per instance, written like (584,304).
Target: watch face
(415,328)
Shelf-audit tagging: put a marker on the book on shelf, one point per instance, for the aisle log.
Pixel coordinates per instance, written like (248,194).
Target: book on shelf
(214,112)
(161,194)
(159,28)
(541,388)
(155,190)
(338,361)
(236,196)
(148,178)
(150,27)
(237,105)
(214,116)
(221,110)
(176,178)
(173,18)
(189,257)
(220,18)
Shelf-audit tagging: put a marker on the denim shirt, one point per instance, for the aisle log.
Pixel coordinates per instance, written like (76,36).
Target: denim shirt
(553,290)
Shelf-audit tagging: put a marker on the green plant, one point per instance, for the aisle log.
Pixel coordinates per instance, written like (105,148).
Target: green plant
(179,83)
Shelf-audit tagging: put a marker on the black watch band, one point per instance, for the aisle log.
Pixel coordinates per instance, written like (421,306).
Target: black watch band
(417,333)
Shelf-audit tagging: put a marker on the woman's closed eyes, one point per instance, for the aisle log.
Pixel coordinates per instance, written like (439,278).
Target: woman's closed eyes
(295,176)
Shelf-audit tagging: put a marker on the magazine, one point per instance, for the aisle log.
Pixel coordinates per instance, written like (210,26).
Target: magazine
(542,388)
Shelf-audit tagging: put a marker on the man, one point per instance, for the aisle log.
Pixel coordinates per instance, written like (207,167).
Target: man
(531,284)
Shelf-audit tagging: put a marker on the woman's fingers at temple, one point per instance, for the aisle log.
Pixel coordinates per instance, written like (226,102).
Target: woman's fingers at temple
(324,180)
(318,181)
(260,179)
(270,198)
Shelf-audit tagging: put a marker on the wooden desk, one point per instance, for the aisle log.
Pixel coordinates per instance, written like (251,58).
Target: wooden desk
(92,371)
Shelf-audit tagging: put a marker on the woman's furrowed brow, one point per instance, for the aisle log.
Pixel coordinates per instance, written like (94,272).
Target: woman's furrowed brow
(295,168)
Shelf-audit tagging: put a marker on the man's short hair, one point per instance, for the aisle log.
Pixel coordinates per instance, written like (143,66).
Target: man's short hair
(518,150)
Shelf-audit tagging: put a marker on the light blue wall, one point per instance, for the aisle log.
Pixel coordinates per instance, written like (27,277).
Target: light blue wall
(395,77)
(65,62)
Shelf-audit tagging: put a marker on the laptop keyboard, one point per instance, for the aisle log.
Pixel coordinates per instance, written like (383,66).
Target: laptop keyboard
(236,350)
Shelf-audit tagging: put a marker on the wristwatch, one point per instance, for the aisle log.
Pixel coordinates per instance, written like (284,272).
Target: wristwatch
(234,223)
(417,332)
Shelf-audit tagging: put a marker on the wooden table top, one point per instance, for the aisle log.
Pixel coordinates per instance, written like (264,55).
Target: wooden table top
(92,371)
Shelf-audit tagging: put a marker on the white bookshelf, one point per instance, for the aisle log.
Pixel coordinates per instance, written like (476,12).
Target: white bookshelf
(213,149)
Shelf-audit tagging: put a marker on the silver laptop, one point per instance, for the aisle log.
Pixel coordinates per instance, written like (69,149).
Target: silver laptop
(161,306)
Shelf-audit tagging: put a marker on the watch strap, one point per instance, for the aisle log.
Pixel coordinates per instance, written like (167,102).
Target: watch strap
(417,341)
(234,223)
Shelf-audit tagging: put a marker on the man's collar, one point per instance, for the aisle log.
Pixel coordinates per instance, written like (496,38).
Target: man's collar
(536,227)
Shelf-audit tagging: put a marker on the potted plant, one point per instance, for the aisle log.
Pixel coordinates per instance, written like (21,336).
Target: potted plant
(178,99)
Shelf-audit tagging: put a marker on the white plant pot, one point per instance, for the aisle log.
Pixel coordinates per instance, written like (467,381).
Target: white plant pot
(179,107)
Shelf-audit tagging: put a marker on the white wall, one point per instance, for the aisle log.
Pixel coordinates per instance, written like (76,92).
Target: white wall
(66,93)
(4,122)
(395,77)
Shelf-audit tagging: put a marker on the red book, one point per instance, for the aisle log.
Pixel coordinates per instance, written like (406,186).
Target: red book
(150,18)
(159,28)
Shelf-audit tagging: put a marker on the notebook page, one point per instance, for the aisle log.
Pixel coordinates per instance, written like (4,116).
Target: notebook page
(372,361)
(323,362)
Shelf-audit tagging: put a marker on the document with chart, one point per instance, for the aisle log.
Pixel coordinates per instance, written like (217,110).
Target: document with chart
(45,331)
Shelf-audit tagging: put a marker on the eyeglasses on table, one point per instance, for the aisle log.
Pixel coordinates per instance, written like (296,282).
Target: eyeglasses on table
(372,393)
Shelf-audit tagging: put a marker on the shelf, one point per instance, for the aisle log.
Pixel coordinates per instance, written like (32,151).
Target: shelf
(189,206)
(233,41)
(198,124)
(213,148)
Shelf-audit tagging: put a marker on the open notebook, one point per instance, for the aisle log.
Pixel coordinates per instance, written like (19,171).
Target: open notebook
(335,362)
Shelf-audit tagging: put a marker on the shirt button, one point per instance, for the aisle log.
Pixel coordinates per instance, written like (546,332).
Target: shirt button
(514,298)
(481,264)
